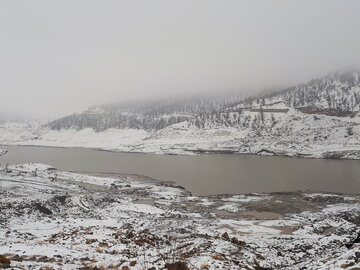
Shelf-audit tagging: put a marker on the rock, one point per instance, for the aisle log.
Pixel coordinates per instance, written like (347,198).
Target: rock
(346,265)
(177,266)
(330,199)
(42,209)
(88,231)
(238,242)
(61,199)
(4,262)
(355,241)
(103,244)
(43,259)
(130,235)
(16,258)
(90,241)
(132,263)
(218,258)
(123,241)
(4,266)
(259,256)
(139,242)
(32,259)
(125,268)
(357,256)
(225,235)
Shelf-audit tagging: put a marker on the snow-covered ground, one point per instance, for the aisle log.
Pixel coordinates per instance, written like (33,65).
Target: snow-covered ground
(292,134)
(62,220)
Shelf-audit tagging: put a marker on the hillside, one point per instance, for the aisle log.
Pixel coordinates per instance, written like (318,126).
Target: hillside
(316,119)
(337,94)
(150,116)
(338,91)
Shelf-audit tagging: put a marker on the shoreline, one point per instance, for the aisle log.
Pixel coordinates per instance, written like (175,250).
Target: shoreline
(148,168)
(147,179)
(329,155)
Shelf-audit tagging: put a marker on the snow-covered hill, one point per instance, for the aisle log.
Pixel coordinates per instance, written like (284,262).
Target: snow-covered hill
(317,119)
(337,91)
(291,134)
(337,94)
(149,116)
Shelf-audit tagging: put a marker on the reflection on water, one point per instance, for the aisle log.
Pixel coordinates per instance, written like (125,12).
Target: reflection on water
(204,174)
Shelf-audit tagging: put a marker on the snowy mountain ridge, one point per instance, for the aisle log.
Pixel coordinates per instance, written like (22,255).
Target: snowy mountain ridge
(339,91)
(337,94)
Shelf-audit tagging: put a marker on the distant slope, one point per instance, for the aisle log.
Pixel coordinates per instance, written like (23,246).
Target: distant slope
(318,119)
(6,117)
(337,94)
(339,91)
(149,116)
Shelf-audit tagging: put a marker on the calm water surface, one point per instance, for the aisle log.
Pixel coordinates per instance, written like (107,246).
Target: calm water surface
(204,174)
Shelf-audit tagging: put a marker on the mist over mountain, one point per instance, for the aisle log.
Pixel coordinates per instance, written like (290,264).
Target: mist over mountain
(9,117)
(335,94)
(180,135)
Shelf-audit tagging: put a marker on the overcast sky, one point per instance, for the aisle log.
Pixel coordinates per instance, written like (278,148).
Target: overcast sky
(58,57)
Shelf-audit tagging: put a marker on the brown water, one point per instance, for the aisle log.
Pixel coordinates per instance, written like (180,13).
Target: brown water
(204,174)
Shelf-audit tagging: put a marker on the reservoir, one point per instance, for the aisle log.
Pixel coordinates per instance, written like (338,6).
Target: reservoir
(205,174)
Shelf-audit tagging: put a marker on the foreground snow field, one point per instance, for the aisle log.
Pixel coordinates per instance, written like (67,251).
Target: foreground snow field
(59,220)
